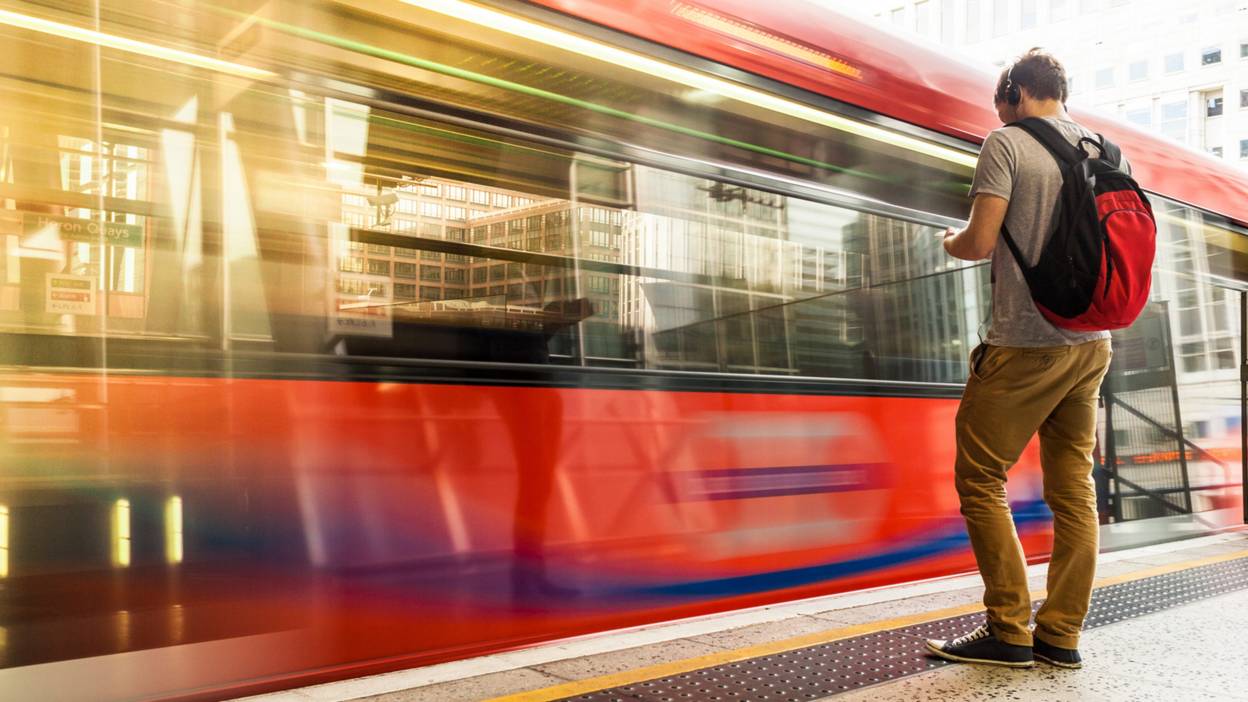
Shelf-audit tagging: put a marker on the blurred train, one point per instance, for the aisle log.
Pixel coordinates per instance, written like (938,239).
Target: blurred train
(352,335)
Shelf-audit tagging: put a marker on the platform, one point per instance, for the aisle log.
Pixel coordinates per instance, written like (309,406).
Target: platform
(1167,622)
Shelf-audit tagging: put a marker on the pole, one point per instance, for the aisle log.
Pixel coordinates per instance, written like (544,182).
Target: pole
(1243,400)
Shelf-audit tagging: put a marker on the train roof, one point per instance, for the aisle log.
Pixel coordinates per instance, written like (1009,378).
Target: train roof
(850,60)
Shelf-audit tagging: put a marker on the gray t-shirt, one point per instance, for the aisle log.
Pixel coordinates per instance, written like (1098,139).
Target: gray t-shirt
(1015,166)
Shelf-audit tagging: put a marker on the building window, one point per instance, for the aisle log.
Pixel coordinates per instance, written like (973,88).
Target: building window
(455,275)
(1070,85)
(1057,10)
(1208,57)
(405,291)
(430,256)
(898,16)
(378,267)
(1216,151)
(456,213)
(455,192)
(479,197)
(1174,120)
(431,273)
(1243,49)
(1000,17)
(1104,78)
(1142,117)
(404,270)
(1027,14)
(947,9)
(1174,63)
(972,21)
(1213,105)
(1243,98)
(923,17)
(430,209)
(430,293)
(1243,148)
(1138,70)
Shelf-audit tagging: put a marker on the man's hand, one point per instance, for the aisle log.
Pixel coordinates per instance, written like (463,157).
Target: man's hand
(979,238)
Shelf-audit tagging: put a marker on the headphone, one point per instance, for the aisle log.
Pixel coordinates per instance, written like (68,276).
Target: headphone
(1013,94)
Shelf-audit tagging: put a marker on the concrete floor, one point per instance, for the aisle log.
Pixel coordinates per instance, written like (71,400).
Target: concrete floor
(1193,652)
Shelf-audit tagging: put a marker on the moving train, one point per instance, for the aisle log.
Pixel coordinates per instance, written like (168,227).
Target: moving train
(347,336)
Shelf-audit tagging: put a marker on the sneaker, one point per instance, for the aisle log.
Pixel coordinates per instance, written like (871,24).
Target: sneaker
(1056,655)
(981,646)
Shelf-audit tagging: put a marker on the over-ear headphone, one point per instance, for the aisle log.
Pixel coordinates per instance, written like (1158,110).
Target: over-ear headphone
(1013,94)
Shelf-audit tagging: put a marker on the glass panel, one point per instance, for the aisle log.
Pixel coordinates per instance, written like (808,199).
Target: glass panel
(1172,394)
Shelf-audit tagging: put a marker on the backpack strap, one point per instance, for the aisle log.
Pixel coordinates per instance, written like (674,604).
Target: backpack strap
(1052,140)
(1112,153)
(1018,254)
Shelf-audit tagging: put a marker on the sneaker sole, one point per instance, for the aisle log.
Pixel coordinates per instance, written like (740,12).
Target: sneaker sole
(1059,664)
(985,661)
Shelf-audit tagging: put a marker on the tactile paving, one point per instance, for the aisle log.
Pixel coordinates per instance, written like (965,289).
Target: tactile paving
(848,664)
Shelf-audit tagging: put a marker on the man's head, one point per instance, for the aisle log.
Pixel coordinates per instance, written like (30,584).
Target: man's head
(1037,81)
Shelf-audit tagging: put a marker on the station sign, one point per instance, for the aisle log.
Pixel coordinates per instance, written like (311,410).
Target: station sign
(70,294)
(87,231)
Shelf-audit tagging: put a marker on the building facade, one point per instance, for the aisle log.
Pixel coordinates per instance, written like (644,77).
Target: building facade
(1178,69)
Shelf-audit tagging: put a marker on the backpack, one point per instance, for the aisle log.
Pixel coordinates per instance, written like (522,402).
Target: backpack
(1095,270)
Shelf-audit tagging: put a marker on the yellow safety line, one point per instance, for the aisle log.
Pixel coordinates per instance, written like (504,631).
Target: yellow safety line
(663,670)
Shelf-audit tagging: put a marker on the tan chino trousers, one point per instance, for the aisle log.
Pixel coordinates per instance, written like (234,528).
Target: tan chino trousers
(1012,393)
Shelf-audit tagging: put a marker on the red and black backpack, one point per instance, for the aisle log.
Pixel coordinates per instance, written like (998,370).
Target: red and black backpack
(1095,270)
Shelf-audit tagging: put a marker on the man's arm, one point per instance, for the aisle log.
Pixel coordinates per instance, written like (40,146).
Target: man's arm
(979,238)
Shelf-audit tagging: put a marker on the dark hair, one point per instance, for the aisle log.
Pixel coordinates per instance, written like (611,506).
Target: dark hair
(1036,71)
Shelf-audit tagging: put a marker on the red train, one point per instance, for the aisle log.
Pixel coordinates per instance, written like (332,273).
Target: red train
(343,337)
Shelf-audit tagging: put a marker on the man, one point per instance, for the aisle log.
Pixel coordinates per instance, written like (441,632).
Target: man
(1027,376)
